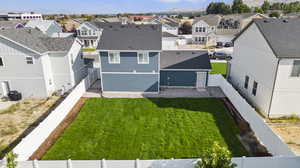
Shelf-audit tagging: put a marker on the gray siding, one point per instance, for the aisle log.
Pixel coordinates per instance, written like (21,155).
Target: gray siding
(178,78)
(27,79)
(130,82)
(129,63)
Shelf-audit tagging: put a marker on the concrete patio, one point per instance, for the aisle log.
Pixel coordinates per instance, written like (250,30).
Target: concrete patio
(214,92)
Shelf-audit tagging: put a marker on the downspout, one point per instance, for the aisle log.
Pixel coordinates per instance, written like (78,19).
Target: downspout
(276,73)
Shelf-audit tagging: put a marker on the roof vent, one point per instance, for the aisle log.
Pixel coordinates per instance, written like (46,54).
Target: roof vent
(193,52)
(266,21)
(110,26)
(285,21)
(178,53)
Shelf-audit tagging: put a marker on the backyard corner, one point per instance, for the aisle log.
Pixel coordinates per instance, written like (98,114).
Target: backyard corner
(154,128)
(18,119)
(219,68)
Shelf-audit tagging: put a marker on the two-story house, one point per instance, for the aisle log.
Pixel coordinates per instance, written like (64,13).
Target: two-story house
(131,60)
(37,65)
(266,65)
(168,25)
(129,57)
(204,30)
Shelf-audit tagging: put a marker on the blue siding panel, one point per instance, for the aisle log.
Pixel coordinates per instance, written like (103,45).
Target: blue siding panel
(130,82)
(129,63)
(178,78)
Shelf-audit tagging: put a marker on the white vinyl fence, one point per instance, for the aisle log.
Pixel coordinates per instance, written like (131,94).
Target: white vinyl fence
(31,142)
(254,162)
(264,133)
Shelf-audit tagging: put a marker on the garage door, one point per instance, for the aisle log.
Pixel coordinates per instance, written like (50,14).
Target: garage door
(178,78)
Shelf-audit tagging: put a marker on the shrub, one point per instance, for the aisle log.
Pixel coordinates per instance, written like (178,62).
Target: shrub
(11,159)
(217,157)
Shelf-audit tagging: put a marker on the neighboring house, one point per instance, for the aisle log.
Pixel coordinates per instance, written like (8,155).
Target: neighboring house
(21,16)
(266,66)
(231,25)
(37,65)
(169,41)
(168,26)
(49,27)
(204,30)
(89,34)
(132,61)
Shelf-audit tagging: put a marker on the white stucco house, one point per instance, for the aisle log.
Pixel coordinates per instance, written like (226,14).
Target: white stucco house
(204,30)
(37,65)
(266,66)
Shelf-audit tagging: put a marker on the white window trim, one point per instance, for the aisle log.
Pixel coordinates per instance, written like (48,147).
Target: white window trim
(1,66)
(118,54)
(144,53)
(31,58)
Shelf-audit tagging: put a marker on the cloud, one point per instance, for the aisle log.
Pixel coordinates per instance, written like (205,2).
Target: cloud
(176,1)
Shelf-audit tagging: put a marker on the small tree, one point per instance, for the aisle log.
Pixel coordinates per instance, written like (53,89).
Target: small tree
(11,159)
(217,157)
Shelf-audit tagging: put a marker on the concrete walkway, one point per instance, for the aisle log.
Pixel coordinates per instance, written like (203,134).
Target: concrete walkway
(214,92)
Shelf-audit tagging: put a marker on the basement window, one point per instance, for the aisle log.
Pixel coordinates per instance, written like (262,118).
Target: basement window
(296,69)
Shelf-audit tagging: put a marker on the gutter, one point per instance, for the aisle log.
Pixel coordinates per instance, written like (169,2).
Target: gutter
(274,83)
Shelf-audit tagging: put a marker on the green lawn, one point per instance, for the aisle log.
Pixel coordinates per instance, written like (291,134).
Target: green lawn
(219,68)
(147,129)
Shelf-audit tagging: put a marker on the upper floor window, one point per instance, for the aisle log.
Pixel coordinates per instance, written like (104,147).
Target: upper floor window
(1,62)
(29,60)
(254,89)
(83,32)
(114,58)
(296,69)
(143,58)
(246,82)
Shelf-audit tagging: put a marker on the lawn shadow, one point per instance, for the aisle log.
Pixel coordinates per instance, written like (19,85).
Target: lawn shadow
(216,112)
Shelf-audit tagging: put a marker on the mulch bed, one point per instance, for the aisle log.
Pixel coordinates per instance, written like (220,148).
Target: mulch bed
(52,138)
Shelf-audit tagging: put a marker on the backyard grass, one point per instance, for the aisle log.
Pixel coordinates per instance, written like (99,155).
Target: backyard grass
(219,68)
(157,128)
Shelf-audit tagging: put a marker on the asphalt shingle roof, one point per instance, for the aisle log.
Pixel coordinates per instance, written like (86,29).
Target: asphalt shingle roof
(283,35)
(211,20)
(131,37)
(184,60)
(36,40)
(166,34)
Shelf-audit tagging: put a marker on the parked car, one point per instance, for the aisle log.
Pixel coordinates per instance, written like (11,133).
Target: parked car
(14,95)
(221,56)
(219,45)
(228,44)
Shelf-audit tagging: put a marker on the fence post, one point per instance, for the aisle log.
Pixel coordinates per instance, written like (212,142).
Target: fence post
(35,164)
(69,163)
(243,160)
(4,163)
(103,165)
(137,163)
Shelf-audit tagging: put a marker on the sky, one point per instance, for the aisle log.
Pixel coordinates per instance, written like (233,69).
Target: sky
(99,6)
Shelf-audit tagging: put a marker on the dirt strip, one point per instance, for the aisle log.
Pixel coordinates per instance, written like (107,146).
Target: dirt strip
(52,138)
